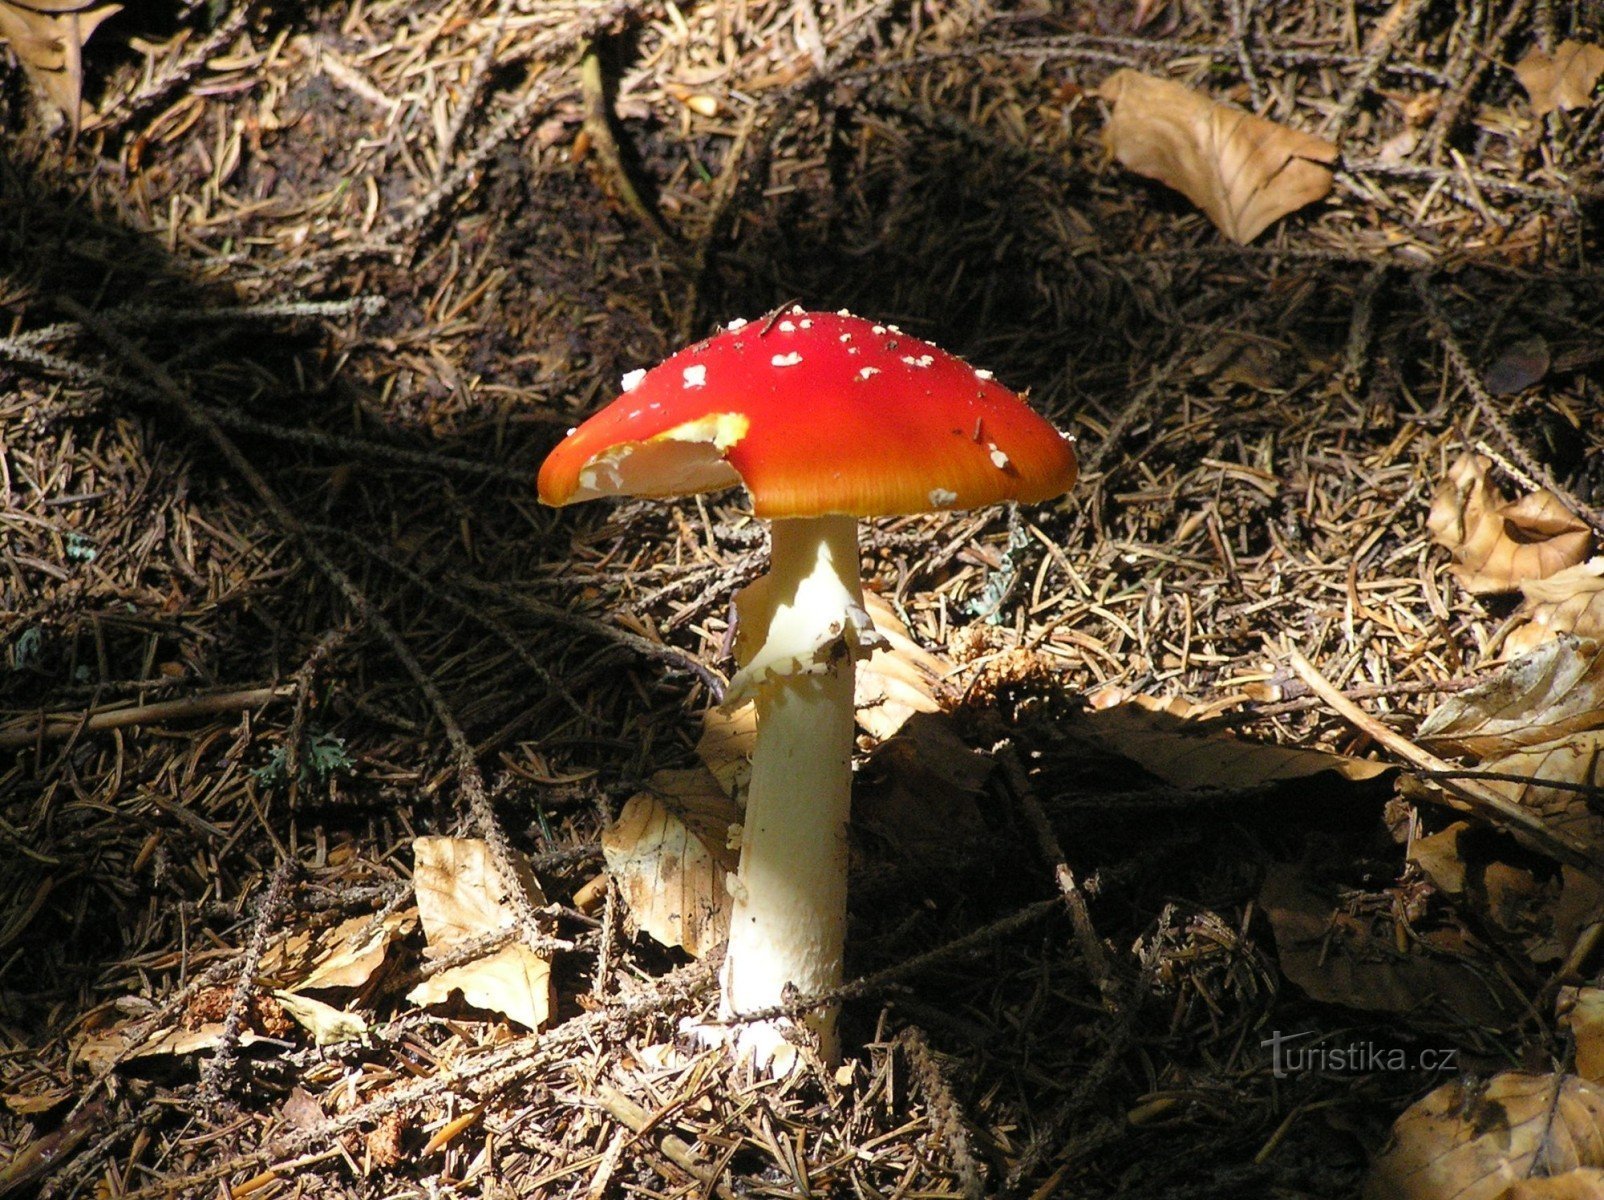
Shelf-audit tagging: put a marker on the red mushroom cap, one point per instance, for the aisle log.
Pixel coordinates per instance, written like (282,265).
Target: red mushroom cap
(815,413)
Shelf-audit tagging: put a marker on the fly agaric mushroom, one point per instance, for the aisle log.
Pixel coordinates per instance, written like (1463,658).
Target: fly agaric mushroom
(824,418)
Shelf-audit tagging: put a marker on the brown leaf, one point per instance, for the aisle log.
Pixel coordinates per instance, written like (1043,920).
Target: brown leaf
(1581,1010)
(1541,911)
(1473,1143)
(1565,80)
(99,1052)
(725,747)
(513,981)
(1439,856)
(345,956)
(899,678)
(1569,601)
(669,851)
(462,896)
(1518,367)
(1498,543)
(1243,171)
(302,1110)
(1584,1183)
(1552,692)
(925,785)
(1335,958)
(48,38)
(1576,759)
(327,1025)
(1197,754)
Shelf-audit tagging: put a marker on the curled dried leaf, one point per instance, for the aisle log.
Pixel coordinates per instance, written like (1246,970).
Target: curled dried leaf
(462,895)
(1554,691)
(729,736)
(1569,601)
(1243,171)
(1498,544)
(1539,910)
(1565,79)
(48,38)
(899,678)
(1581,1010)
(1551,774)
(1473,1143)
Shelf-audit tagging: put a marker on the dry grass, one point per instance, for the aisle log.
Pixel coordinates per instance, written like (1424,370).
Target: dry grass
(288,330)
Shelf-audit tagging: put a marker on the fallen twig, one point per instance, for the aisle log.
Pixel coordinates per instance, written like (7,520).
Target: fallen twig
(96,720)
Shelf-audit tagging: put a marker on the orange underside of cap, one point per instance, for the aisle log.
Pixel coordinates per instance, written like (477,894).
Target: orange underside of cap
(821,413)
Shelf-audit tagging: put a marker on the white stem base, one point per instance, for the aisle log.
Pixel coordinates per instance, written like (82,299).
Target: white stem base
(802,627)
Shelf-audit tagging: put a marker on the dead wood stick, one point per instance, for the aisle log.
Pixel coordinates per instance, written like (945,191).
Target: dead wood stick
(604,144)
(1091,947)
(1471,795)
(214,1078)
(1395,25)
(59,725)
(676,1149)
(947,1118)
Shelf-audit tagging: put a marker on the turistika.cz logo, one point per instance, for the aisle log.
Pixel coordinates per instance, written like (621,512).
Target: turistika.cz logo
(1290,1055)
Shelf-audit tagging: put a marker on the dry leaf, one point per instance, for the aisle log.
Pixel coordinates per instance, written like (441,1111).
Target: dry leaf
(345,956)
(1565,80)
(1498,544)
(924,783)
(1552,692)
(1439,856)
(462,896)
(1197,754)
(1581,1010)
(1243,171)
(302,1110)
(1472,1142)
(1518,367)
(1575,759)
(1584,1183)
(670,852)
(898,679)
(1544,911)
(1569,601)
(98,1053)
(725,748)
(327,1024)
(1335,958)
(513,981)
(48,38)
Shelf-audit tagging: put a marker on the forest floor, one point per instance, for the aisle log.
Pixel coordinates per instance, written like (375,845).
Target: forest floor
(290,323)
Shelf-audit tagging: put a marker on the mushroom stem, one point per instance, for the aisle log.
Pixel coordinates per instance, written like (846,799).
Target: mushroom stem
(802,626)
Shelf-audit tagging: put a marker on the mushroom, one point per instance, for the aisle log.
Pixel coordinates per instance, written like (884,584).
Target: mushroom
(824,418)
